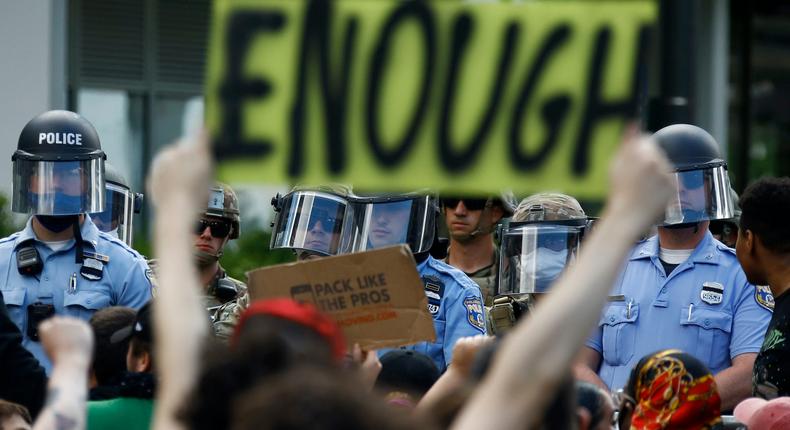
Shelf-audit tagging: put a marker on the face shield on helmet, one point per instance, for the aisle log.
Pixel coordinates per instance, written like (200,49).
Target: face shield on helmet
(58,187)
(534,254)
(378,222)
(309,221)
(700,195)
(116,219)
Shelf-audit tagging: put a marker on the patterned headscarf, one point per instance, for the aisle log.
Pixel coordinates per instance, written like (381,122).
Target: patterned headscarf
(673,390)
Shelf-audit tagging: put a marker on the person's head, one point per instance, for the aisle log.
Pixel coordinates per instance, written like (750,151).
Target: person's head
(764,236)
(58,171)
(596,409)
(306,397)
(120,206)
(702,184)
(672,388)
(139,334)
(217,225)
(389,223)
(109,359)
(271,337)
(14,416)
(405,376)
(309,220)
(467,218)
(763,414)
(539,242)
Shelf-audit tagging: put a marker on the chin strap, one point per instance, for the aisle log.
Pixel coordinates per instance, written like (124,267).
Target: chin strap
(78,238)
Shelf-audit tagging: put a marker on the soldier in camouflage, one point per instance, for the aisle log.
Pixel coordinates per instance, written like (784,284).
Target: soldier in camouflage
(225,297)
(470,223)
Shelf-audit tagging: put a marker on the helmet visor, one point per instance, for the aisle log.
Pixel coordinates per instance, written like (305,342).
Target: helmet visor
(700,195)
(378,224)
(58,187)
(116,219)
(310,221)
(533,255)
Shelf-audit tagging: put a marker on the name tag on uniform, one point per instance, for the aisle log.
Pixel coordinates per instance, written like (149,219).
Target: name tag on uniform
(712,293)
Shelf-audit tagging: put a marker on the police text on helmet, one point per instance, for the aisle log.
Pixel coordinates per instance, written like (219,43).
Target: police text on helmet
(60,138)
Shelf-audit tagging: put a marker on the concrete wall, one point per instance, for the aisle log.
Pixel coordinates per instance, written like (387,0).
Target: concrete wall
(33,40)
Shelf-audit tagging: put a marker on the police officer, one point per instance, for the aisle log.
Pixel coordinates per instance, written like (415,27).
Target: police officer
(542,238)
(60,263)
(682,288)
(120,205)
(471,223)
(454,300)
(309,220)
(225,297)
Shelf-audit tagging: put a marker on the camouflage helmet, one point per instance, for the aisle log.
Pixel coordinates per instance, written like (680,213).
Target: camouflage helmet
(548,207)
(507,201)
(224,204)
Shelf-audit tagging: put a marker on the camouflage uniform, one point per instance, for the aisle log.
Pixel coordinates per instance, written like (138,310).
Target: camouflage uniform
(485,278)
(225,299)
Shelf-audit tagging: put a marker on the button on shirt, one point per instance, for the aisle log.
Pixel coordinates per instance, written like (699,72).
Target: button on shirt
(124,279)
(649,311)
(456,304)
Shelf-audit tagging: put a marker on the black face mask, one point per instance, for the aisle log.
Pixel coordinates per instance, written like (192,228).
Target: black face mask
(56,224)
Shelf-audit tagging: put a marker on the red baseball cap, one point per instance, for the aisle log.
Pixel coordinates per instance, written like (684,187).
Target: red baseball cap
(302,313)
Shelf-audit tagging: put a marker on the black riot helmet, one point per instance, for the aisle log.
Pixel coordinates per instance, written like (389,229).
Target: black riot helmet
(120,206)
(58,166)
(702,183)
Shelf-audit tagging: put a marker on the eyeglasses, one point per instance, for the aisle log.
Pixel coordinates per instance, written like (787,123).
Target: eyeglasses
(471,204)
(218,229)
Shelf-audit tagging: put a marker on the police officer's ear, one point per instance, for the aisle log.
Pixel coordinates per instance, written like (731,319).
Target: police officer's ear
(496,214)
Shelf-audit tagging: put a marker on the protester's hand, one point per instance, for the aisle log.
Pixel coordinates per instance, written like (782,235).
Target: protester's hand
(182,169)
(368,364)
(465,351)
(640,178)
(67,340)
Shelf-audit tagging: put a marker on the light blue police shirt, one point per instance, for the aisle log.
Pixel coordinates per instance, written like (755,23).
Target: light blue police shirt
(456,304)
(704,307)
(124,280)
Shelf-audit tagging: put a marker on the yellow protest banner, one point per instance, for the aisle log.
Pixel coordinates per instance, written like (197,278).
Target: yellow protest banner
(402,95)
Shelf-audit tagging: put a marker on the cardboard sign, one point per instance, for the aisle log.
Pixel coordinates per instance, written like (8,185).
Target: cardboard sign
(376,297)
(461,97)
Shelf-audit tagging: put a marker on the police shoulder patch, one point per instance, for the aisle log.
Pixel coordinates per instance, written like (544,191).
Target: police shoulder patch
(764,297)
(474,313)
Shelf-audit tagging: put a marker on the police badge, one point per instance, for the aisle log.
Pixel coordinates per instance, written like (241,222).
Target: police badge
(712,292)
(764,297)
(474,313)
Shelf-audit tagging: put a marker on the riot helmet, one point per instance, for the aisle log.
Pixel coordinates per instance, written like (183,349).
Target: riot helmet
(120,205)
(726,230)
(543,237)
(310,219)
(702,184)
(58,166)
(378,221)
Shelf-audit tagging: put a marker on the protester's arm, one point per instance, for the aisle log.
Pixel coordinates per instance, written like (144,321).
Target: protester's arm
(69,344)
(735,382)
(22,379)
(539,352)
(178,184)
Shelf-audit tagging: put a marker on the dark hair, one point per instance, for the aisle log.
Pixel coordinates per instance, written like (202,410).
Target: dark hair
(9,409)
(590,397)
(266,346)
(318,399)
(764,208)
(109,359)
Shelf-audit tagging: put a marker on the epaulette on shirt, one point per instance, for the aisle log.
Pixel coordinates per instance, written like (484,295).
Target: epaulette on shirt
(459,276)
